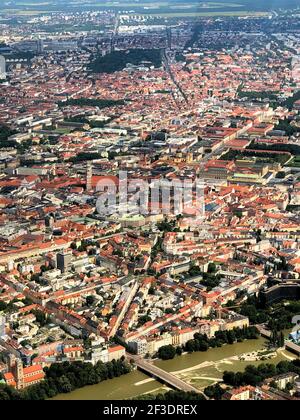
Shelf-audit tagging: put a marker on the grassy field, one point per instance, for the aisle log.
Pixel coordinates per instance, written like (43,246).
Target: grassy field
(170,9)
(165,9)
(157,4)
(18,12)
(170,4)
(205,14)
(156,14)
(34,4)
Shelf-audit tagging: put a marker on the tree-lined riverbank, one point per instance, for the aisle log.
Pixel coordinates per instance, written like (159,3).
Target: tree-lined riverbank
(200,369)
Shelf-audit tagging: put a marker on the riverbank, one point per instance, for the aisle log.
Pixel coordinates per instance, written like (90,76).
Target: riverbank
(199,369)
(214,362)
(209,373)
(63,378)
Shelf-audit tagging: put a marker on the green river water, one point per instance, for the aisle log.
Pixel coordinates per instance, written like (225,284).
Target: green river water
(199,369)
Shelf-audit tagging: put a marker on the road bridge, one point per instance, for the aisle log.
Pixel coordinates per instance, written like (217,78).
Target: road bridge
(163,376)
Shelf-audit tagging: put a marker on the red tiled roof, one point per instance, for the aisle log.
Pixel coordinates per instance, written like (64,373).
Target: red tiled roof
(34,378)
(32,369)
(116,348)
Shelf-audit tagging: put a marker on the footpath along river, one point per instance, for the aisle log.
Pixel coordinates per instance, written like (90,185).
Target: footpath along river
(199,369)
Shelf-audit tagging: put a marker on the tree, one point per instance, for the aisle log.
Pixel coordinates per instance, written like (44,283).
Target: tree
(99,103)
(143,319)
(167,352)
(65,377)
(179,351)
(231,338)
(214,392)
(151,290)
(169,310)
(40,317)
(90,300)
(273,385)
(289,387)
(212,268)
(3,306)
(190,346)
(203,345)
(281,340)
(118,253)
(256,375)
(4,395)
(174,396)
(117,60)
(64,384)
(229,378)
(35,277)
(6,132)
(283,367)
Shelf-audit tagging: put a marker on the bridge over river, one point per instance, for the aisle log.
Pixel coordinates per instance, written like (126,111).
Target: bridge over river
(163,376)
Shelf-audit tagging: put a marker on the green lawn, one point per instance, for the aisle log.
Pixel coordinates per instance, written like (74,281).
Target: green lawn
(204,14)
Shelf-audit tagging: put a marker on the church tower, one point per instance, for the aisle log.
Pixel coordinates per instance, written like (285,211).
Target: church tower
(11,362)
(19,374)
(89,174)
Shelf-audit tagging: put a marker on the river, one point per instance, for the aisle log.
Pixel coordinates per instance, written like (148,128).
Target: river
(199,369)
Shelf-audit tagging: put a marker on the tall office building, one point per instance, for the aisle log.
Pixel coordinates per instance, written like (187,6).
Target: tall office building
(2,326)
(40,46)
(2,67)
(64,261)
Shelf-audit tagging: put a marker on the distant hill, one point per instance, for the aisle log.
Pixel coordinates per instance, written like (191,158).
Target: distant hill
(163,7)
